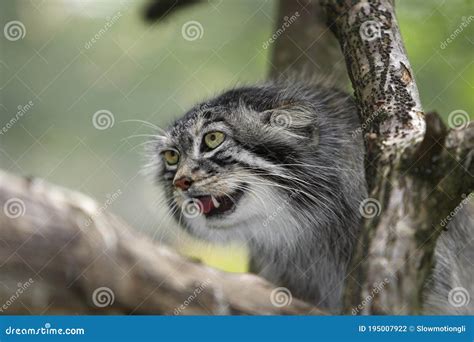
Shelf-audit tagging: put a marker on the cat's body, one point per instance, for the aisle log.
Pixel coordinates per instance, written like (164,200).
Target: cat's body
(450,288)
(280,167)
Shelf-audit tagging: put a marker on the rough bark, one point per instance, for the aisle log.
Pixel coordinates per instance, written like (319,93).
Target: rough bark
(305,45)
(417,170)
(68,256)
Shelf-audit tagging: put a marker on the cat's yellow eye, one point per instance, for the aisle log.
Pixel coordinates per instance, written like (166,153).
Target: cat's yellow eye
(171,157)
(214,139)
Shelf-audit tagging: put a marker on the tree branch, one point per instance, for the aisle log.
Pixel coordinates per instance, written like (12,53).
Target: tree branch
(396,246)
(77,257)
(156,10)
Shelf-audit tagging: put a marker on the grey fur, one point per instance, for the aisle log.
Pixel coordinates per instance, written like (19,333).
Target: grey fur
(450,289)
(296,151)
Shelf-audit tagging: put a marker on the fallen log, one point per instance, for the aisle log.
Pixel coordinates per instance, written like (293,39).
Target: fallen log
(60,253)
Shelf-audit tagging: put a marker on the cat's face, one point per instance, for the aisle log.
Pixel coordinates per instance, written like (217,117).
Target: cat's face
(223,170)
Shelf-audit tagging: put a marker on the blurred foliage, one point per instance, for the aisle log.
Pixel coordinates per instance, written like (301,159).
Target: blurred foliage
(444,71)
(150,72)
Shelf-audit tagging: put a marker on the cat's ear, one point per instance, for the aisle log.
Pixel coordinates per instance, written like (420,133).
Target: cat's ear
(298,120)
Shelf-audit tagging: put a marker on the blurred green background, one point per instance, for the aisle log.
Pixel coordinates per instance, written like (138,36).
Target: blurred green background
(138,71)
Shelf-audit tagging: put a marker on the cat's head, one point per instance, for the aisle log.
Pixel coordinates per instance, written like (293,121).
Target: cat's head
(232,166)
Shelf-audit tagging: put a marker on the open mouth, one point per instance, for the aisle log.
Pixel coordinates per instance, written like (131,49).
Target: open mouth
(211,206)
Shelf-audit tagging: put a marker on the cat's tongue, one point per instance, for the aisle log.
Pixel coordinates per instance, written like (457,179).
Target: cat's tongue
(208,203)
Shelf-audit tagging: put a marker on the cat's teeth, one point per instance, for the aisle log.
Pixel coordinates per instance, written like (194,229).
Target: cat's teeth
(215,202)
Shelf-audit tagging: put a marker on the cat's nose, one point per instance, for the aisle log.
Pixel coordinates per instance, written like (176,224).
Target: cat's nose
(183,183)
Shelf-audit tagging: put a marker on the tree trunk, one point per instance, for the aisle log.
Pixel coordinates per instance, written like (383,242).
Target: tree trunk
(305,45)
(417,170)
